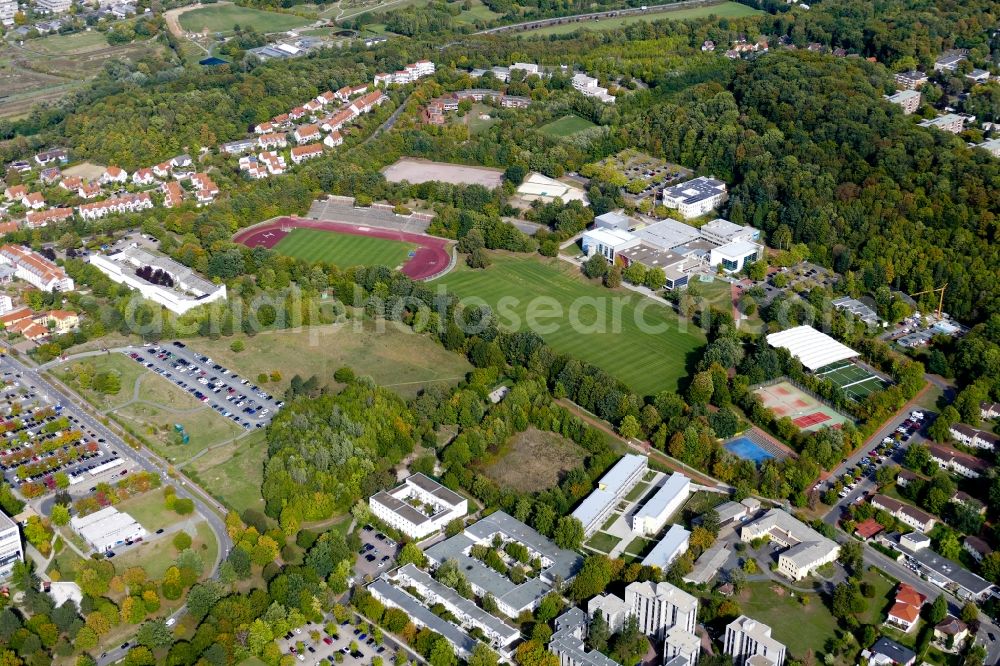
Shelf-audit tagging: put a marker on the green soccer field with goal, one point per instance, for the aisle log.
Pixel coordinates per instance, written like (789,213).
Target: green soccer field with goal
(344,250)
(635,339)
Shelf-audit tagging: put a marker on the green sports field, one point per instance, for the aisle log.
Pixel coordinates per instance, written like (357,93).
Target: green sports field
(856,382)
(343,250)
(722,10)
(644,344)
(566,126)
(222,18)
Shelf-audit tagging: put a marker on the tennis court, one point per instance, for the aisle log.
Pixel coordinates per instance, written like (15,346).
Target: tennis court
(855,381)
(805,411)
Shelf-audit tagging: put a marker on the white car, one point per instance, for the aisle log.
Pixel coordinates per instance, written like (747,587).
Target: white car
(171,621)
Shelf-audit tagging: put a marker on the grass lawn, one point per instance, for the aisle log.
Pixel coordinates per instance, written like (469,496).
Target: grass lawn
(127,369)
(164,393)
(65,563)
(233,473)
(534,460)
(158,555)
(880,604)
(344,250)
(636,492)
(476,124)
(222,18)
(773,604)
(723,10)
(80,42)
(395,359)
(148,509)
(205,428)
(610,521)
(638,546)
(603,542)
(700,502)
(640,342)
(566,126)
(477,12)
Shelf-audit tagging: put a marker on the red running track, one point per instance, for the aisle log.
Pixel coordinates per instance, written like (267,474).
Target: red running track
(429,259)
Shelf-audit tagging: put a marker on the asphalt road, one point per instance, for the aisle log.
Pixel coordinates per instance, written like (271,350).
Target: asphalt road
(145,459)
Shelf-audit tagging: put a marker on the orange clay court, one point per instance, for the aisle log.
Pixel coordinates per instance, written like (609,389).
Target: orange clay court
(805,411)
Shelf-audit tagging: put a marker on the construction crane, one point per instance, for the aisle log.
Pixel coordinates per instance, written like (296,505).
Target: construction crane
(932,291)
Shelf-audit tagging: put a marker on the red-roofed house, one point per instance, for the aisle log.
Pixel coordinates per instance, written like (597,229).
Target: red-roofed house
(88,191)
(114,174)
(15,192)
(264,128)
(302,153)
(173,194)
(326,98)
(15,316)
(63,321)
(868,528)
(8,227)
(272,141)
(40,218)
(34,201)
(143,177)
(306,133)
(333,139)
(906,610)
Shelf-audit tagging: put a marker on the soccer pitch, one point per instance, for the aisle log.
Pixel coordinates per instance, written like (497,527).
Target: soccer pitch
(344,250)
(617,341)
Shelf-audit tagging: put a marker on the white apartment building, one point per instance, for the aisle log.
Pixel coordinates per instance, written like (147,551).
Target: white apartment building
(695,197)
(11,551)
(590,87)
(35,269)
(189,290)
(806,549)
(746,638)
(659,607)
(613,486)
(418,507)
(52,6)
(653,515)
(680,642)
(908,100)
(498,633)
(567,642)
(950,122)
(8,9)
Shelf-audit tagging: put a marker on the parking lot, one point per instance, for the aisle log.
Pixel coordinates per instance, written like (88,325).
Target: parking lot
(858,479)
(40,436)
(377,554)
(322,650)
(224,391)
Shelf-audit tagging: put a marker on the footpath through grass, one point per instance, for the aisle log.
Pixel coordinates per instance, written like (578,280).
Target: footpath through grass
(344,250)
(635,339)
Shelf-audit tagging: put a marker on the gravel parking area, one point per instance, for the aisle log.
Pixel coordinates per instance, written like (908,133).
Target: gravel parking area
(417,171)
(224,391)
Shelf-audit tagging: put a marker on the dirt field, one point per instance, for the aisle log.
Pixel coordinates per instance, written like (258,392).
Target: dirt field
(87,170)
(534,460)
(421,171)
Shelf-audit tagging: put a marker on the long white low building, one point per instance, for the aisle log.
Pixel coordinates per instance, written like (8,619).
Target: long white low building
(651,518)
(107,528)
(189,289)
(613,486)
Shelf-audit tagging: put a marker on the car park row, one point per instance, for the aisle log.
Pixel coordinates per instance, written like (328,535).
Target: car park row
(224,391)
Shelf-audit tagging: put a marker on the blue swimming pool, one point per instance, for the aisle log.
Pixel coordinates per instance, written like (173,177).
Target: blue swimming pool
(746,448)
